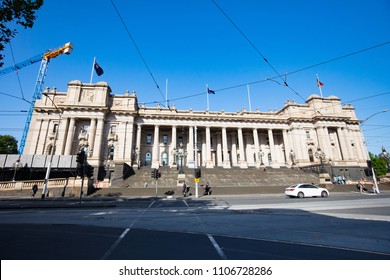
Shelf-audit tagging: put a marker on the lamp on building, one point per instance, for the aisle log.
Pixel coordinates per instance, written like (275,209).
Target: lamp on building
(320,155)
(181,153)
(16,166)
(386,156)
(292,157)
(261,154)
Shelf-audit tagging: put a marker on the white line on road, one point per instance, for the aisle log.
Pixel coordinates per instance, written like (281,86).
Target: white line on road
(217,247)
(120,238)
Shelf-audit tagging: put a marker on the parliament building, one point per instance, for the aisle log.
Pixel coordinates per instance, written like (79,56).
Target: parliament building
(115,131)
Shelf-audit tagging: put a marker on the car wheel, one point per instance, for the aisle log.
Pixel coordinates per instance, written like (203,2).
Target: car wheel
(324,194)
(301,195)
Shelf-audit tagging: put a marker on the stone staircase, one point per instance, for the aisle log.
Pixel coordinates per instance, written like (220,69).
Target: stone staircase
(220,177)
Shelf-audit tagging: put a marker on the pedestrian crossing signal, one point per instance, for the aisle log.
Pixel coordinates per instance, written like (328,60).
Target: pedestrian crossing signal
(198,173)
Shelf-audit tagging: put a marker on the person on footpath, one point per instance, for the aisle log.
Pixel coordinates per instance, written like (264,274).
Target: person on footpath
(34,190)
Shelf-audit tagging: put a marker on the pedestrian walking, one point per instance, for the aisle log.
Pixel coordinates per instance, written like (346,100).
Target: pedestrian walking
(34,190)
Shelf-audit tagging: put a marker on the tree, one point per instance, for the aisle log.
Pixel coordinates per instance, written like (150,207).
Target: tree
(19,12)
(8,144)
(379,165)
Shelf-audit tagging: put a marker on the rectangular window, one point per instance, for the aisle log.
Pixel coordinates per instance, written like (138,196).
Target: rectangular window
(307,134)
(165,139)
(149,139)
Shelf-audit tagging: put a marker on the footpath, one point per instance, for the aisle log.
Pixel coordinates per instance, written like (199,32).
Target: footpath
(111,197)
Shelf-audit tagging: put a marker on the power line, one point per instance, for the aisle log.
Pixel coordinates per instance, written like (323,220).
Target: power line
(137,48)
(289,73)
(13,96)
(257,50)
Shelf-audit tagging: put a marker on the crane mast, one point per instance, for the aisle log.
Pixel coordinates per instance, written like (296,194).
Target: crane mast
(66,49)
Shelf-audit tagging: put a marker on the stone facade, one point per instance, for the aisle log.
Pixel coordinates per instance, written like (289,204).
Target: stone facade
(115,130)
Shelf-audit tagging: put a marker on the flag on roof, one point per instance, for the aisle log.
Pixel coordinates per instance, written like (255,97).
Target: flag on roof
(210,91)
(98,69)
(319,84)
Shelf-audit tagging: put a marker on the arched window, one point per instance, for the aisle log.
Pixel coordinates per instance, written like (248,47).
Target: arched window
(148,158)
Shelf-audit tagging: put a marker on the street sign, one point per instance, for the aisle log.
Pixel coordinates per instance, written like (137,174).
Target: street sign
(196,180)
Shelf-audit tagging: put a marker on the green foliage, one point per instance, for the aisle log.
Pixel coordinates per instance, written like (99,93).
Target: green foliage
(379,165)
(15,12)
(8,144)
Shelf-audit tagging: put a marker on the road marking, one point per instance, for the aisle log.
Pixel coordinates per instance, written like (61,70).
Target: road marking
(211,238)
(112,248)
(217,247)
(120,238)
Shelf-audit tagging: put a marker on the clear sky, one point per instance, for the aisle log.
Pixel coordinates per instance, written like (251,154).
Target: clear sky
(192,43)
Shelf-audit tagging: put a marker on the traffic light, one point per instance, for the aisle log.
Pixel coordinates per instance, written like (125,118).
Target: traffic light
(198,173)
(369,164)
(80,158)
(368,172)
(155,174)
(89,171)
(80,170)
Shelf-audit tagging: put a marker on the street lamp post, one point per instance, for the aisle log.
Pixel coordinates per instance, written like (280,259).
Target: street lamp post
(292,157)
(53,148)
(17,165)
(261,154)
(385,155)
(320,155)
(181,153)
(368,154)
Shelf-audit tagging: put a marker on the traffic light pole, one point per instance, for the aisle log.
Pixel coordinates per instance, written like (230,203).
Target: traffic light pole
(196,161)
(82,176)
(156,187)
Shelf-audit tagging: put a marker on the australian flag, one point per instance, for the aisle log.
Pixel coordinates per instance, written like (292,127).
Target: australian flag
(98,69)
(210,91)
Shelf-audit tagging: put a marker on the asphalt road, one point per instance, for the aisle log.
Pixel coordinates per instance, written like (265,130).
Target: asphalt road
(266,227)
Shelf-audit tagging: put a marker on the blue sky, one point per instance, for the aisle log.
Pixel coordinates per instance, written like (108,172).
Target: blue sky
(191,43)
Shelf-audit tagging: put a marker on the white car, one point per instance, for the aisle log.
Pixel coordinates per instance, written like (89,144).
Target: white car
(306,190)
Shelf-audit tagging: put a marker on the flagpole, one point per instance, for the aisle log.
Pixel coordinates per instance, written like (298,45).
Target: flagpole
(166,93)
(93,66)
(207,96)
(249,98)
(318,84)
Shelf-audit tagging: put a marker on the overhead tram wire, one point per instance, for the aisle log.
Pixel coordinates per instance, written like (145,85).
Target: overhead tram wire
(17,72)
(288,73)
(137,48)
(257,50)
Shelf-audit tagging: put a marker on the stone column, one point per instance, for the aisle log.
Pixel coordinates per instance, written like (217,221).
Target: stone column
(209,163)
(156,150)
(92,134)
(129,142)
(257,147)
(172,159)
(234,149)
(225,149)
(287,148)
(61,136)
(69,139)
(98,139)
(137,159)
(190,145)
(272,147)
(344,143)
(242,162)
(219,149)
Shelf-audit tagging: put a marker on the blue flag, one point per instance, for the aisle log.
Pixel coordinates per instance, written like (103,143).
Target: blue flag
(98,69)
